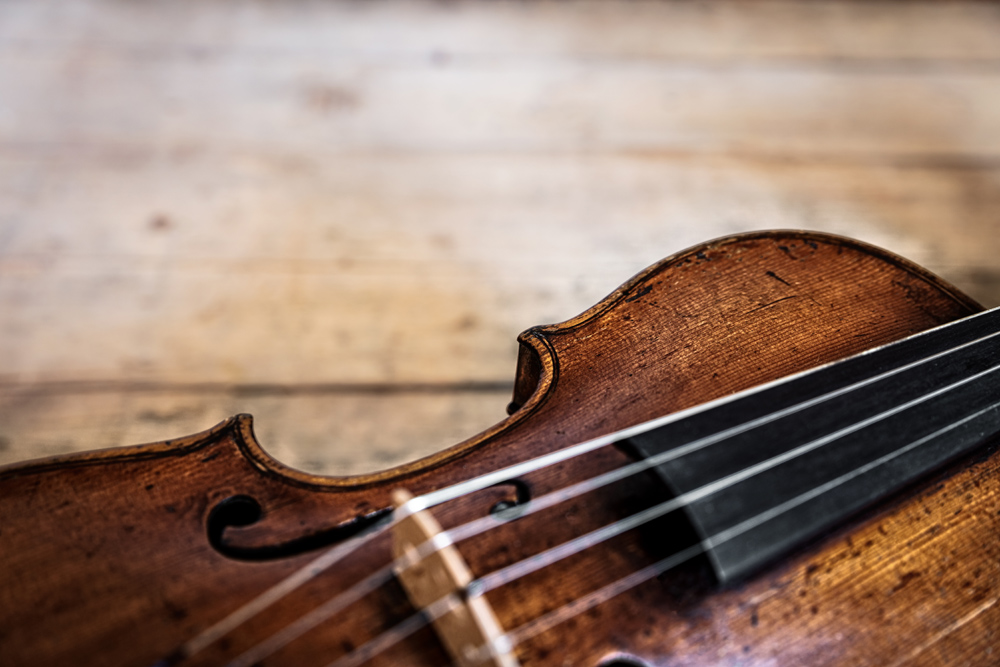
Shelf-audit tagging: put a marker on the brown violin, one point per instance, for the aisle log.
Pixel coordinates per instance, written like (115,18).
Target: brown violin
(771,449)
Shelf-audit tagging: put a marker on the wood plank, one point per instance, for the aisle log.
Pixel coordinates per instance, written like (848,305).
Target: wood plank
(406,269)
(142,79)
(166,106)
(198,199)
(931,33)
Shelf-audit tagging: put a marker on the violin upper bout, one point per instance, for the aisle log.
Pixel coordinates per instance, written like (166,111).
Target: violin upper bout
(728,315)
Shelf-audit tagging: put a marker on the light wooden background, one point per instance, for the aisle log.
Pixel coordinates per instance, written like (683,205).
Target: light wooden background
(338,216)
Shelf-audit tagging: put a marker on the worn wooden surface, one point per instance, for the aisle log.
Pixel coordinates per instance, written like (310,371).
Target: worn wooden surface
(109,562)
(338,216)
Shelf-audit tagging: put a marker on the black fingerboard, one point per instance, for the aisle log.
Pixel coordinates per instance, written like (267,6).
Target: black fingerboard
(769,469)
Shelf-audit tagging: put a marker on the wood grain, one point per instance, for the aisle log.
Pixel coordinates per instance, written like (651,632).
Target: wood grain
(912,581)
(208,201)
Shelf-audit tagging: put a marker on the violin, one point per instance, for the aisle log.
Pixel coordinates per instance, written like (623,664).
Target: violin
(771,449)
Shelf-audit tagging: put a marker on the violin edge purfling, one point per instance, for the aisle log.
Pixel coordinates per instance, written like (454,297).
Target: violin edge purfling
(112,547)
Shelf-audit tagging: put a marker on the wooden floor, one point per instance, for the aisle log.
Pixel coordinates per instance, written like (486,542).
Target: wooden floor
(338,216)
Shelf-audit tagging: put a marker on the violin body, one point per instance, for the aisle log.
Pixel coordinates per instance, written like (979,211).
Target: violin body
(119,557)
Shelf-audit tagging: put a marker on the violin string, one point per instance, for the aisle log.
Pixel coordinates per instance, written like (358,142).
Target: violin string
(582,604)
(559,552)
(433,498)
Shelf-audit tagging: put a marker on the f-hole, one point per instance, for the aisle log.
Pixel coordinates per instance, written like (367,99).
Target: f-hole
(242,510)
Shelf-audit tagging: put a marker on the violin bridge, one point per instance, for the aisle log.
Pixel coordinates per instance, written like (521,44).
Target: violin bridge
(436,583)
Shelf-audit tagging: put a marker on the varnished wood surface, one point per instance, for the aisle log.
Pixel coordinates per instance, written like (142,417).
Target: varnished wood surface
(915,583)
(338,216)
